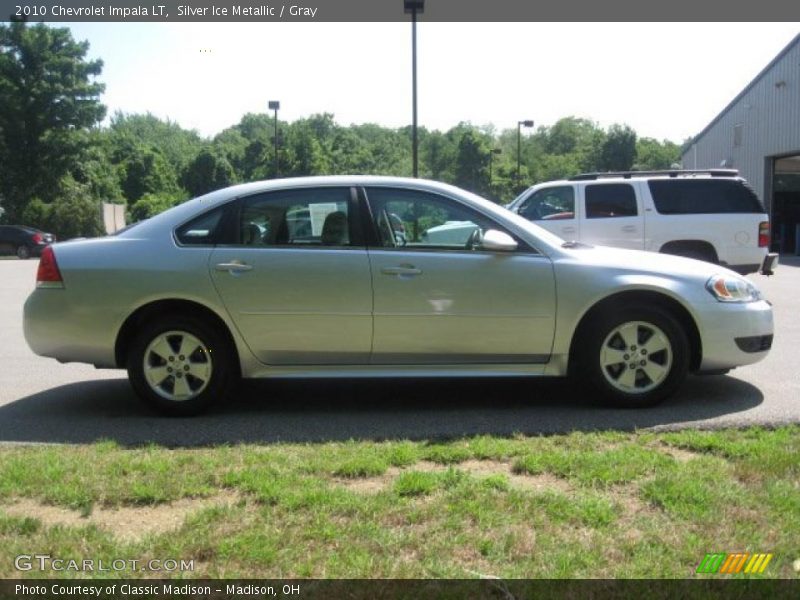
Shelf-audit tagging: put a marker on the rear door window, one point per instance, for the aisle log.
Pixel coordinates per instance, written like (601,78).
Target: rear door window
(299,218)
(703,196)
(610,200)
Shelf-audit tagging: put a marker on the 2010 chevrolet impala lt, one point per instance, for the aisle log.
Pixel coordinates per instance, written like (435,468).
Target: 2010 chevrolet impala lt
(376,276)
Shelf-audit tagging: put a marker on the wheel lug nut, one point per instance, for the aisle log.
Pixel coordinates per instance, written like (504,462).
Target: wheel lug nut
(169,369)
(181,357)
(632,365)
(171,358)
(626,357)
(633,348)
(643,363)
(186,367)
(644,352)
(179,374)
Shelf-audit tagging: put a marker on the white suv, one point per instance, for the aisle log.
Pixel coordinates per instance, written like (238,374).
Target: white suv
(710,215)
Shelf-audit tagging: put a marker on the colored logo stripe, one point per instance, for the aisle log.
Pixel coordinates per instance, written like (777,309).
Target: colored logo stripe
(734,563)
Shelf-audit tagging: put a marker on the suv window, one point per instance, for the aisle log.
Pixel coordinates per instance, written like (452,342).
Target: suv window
(550,204)
(307,217)
(412,219)
(698,196)
(610,200)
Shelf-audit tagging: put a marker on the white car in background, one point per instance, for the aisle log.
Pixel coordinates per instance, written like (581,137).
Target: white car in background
(710,215)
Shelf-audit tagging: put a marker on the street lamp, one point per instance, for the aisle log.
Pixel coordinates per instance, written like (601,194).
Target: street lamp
(275,105)
(414,7)
(520,125)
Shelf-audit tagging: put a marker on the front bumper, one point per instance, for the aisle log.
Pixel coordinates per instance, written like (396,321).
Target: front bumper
(723,324)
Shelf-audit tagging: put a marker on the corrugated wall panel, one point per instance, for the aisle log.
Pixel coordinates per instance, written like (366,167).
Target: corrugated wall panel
(769,113)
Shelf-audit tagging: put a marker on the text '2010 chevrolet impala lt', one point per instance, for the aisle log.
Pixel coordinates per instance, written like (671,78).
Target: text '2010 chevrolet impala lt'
(376,276)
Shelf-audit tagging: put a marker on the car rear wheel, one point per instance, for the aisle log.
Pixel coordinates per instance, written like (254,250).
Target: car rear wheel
(634,357)
(23,252)
(181,365)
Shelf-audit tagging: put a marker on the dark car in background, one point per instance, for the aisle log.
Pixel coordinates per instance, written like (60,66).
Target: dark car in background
(23,241)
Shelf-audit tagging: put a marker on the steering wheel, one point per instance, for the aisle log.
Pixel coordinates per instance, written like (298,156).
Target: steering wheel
(474,239)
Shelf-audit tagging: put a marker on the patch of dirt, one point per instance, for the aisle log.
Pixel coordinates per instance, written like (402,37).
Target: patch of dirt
(474,467)
(127,523)
(369,485)
(679,454)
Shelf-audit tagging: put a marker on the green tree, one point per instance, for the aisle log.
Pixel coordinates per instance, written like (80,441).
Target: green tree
(472,162)
(146,171)
(652,154)
(179,146)
(619,149)
(152,204)
(73,212)
(209,171)
(48,95)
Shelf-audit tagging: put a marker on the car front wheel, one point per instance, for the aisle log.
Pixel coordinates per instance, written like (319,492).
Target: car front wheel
(181,365)
(634,357)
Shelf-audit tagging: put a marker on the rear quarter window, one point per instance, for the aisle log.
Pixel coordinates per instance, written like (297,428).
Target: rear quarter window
(704,196)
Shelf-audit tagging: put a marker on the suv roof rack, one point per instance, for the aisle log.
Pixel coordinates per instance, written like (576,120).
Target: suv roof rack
(669,173)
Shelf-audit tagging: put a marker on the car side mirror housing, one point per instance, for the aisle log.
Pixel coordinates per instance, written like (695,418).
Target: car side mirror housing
(498,241)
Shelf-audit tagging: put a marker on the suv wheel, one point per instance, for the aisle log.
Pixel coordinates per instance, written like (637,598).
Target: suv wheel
(635,357)
(180,365)
(23,252)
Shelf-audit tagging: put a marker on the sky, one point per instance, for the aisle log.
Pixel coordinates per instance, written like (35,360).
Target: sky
(666,80)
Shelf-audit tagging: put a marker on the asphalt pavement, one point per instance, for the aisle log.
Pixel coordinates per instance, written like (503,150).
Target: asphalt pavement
(42,401)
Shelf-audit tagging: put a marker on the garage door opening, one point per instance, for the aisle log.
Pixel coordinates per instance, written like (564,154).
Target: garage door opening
(786,204)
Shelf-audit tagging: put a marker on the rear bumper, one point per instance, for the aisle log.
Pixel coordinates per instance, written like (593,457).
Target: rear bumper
(60,329)
(735,334)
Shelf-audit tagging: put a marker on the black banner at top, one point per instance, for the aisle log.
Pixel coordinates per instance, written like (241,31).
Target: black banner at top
(396,10)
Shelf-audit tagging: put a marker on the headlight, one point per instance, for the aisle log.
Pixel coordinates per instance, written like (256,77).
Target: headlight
(727,288)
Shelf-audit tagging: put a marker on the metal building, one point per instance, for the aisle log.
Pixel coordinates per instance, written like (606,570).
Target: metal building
(758,133)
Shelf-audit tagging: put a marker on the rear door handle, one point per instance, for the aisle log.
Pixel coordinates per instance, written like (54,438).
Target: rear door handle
(234,266)
(629,228)
(407,270)
(568,229)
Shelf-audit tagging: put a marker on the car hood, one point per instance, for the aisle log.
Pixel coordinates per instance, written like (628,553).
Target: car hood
(650,263)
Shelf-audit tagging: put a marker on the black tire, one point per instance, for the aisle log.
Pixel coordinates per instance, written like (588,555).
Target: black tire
(23,252)
(641,319)
(214,355)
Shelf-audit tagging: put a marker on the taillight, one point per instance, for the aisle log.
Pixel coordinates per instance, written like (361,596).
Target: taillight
(763,234)
(48,275)
(37,238)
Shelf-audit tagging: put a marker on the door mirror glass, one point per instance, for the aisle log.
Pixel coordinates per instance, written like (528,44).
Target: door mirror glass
(498,241)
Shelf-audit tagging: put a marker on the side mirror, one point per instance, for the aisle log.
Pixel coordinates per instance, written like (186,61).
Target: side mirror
(498,241)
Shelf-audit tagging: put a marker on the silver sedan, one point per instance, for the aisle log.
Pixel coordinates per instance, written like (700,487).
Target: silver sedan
(386,277)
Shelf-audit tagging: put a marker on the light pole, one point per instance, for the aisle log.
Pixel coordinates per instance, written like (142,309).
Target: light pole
(275,105)
(414,7)
(520,124)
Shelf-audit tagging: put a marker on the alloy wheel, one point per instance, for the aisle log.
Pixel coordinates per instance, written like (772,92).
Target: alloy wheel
(177,366)
(636,357)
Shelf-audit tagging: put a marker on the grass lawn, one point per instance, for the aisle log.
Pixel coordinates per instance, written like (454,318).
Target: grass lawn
(580,505)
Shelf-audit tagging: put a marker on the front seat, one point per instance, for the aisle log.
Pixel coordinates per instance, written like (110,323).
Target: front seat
(252,235)
(334,230)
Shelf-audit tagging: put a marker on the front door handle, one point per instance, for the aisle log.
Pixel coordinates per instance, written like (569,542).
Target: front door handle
(629,228)
(235,266)
(568,229)
(402,270)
